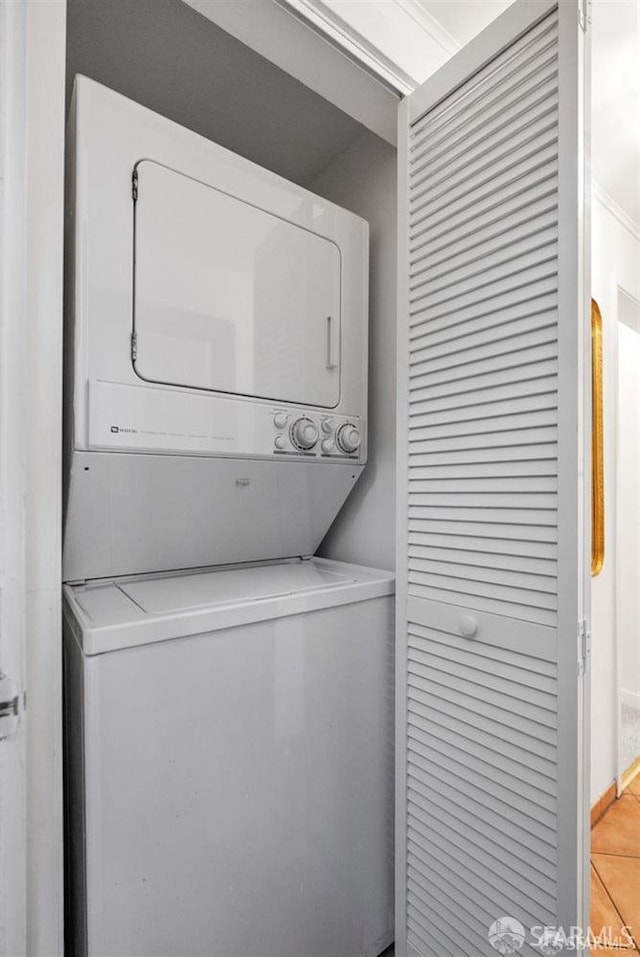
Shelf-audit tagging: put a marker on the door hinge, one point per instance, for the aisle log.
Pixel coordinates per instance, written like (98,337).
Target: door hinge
(13,703)
(584,646)
(134,346)
(134,185)
(584,15)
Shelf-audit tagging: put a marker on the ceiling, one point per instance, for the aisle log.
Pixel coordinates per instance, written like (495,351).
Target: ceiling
(405,41)
(464,19)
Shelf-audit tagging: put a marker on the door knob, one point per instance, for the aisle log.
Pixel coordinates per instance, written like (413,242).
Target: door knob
(468,626)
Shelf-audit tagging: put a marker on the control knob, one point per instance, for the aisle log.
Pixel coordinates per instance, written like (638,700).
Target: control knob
(304,434)
(280,419)
(327,446)
(348,438)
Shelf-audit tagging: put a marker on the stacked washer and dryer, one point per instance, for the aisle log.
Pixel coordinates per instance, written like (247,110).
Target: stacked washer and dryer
(229,704)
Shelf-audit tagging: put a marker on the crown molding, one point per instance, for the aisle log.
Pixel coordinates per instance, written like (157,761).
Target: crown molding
(351,42)
(610,204)
(428,23)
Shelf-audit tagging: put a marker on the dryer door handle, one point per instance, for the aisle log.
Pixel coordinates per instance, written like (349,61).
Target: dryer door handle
(333,343)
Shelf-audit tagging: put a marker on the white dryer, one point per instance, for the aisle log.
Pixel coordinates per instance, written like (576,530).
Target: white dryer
(216,350)
(229,763)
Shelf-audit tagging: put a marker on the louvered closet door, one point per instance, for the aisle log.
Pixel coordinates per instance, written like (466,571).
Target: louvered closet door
(491,790)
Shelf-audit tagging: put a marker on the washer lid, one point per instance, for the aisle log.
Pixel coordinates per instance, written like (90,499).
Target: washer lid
(123,613)
(158,596)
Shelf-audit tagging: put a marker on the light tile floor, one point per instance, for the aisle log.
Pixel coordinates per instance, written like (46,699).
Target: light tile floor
(615,870)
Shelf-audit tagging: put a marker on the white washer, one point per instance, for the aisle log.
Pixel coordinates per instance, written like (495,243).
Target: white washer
(229,764)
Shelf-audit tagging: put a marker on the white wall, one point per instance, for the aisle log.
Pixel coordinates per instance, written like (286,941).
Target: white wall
(615,259)
(164,55)
(628,500)
(363,180)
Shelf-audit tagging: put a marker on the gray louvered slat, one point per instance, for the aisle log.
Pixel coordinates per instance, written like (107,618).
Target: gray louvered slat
(511,277)
(482,838)
(489,573)
(487,406)
(421,494)
(426,480)
(447,327)
(436,765)
(425,929)
(515,259)
(539,442)
(536,740)
(476,834)
(444,911)
(482,166)
(430,911)
(522,454)
(515,206)
(449,866)
(481,745)
(520,378)
(521,716)
(477,757)
(489,115)
(505,881)
(445,541)
(522,125)
(542,414)
(492,672)
(485,239)
(480,171)
(482,655)
(475,555)
(518,606)
(506,697)
(490,392)
(489,85)
(510,351)
(505,467)
(515,240)
(449,863)
(454,799)
(486,190)
(434,926)
(532,129)
(521,899)
(536,297)
(419,520)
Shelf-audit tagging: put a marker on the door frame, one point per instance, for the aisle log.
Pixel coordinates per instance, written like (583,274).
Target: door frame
(34,50)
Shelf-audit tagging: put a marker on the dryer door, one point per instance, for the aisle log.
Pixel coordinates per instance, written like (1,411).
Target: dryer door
(231,298)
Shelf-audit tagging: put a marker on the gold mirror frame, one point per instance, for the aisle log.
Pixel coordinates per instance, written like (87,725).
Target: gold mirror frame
(597,443)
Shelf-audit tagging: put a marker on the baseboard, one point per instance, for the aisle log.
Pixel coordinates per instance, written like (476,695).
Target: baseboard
(630,774)
(603,804)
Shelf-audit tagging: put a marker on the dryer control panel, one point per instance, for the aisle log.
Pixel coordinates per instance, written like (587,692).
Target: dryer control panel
(155,419)
(311,433)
